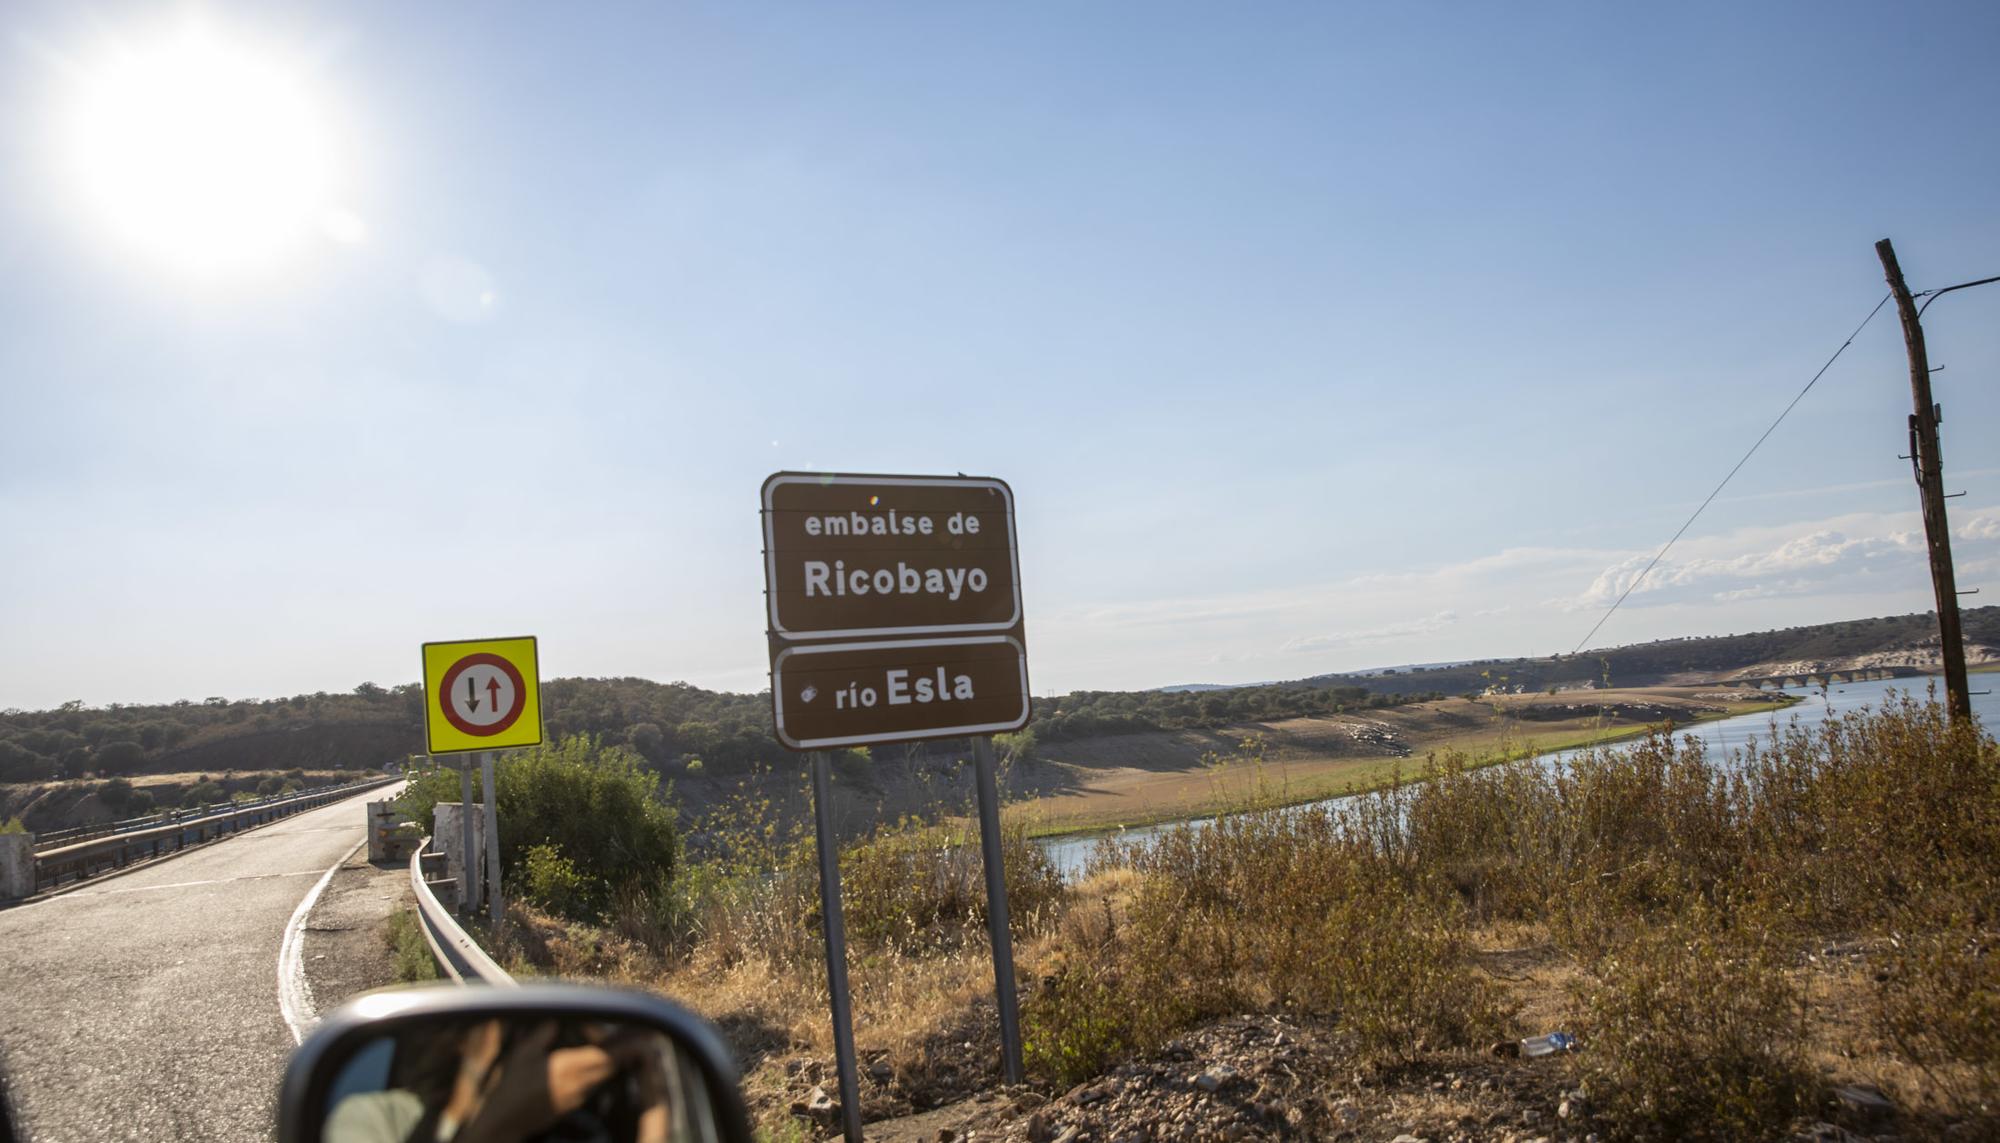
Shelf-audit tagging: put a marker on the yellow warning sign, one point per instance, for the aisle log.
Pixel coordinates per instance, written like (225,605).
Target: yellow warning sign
(482,694)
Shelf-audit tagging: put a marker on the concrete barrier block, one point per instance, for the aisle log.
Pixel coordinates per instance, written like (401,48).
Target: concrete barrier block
(391,836)
(17,865)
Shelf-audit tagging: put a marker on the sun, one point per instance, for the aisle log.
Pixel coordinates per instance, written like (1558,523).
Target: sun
(201,153)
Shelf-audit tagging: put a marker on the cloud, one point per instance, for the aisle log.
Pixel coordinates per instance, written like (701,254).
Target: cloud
(1425,626)
(1985,526)
(1522,599)
(1845,554)
(1160,612)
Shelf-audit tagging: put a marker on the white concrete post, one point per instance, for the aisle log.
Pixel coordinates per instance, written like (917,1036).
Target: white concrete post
(17,865)
(450,830)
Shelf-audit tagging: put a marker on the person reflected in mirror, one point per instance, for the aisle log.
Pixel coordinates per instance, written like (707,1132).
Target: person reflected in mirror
(472,1086)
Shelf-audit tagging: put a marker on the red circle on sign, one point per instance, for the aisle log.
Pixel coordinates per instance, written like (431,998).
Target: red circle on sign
(451,677)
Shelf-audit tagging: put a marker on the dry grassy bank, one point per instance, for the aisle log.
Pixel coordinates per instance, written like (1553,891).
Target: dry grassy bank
(1731,943)
(1122,781)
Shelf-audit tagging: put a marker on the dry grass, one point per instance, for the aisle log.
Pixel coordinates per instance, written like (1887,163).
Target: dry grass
(1730,939)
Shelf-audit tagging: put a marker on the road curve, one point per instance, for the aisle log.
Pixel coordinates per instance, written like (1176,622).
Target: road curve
(146,1005)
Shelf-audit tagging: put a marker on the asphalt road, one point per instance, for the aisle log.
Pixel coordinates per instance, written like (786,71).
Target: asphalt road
(145,1006)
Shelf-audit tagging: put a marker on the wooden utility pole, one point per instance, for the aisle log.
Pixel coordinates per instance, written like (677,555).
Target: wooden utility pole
(1929,465)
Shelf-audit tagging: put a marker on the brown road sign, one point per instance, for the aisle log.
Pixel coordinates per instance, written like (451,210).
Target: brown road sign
(826,695)
(882,556)
(895,608)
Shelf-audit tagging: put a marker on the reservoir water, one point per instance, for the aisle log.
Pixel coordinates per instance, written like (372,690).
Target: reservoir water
(1721,737)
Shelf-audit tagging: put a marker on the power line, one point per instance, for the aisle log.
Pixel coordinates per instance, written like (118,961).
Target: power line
(1732,472)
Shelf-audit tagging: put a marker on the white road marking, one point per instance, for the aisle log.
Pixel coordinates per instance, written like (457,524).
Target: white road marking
(78,896)
(294,994)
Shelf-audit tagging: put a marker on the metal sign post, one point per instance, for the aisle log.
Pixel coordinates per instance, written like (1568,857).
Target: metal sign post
(468,861)
(836,949)
(894,615)
(479,695)
(492,836)
(996,910)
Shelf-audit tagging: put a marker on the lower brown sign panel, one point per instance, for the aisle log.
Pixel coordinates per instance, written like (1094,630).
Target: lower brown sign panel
(853,694)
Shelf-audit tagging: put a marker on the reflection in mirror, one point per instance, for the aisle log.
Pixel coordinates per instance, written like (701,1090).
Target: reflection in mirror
(482,1079)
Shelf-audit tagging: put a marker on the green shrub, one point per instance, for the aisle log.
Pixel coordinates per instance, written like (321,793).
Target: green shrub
(1075,1025)
(116,795)
(596,805)
(12,825)
(551,880)
(271,786)
(405,938)
(202,793)
(1019,746)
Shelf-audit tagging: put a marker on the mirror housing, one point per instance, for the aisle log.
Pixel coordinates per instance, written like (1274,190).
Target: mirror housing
(325,1056)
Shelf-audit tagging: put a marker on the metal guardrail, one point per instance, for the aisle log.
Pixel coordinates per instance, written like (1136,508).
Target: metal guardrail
(77,860)
(454,949)
(51,838)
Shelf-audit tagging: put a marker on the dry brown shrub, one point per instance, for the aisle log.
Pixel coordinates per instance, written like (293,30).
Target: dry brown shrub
(1273,908)
(1688,1034)
(1938,1006)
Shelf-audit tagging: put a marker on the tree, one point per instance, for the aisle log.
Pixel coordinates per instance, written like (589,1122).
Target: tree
(75,761)
(120,757)
(645,737)
(20,764)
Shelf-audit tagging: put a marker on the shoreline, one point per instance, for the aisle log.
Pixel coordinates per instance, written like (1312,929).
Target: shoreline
(1080,826)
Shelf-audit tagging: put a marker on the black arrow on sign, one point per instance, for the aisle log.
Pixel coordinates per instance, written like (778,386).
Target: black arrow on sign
(471,695)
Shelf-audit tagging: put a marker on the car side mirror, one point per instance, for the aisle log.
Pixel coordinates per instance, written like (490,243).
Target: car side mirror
(490,1064)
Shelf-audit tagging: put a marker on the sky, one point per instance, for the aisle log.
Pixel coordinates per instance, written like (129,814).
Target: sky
(1310,337)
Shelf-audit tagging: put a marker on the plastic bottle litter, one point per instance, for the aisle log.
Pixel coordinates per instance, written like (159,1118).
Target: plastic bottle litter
(1548,1045)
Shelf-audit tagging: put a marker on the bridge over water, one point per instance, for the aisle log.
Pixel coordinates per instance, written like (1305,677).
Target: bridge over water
(1828,678)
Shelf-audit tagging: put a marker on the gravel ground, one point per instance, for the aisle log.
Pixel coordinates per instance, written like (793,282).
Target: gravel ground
(344,951)
(146,1005)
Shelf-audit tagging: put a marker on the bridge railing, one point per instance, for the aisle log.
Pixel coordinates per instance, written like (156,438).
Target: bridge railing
(454,949)
(75,860)
(50,839)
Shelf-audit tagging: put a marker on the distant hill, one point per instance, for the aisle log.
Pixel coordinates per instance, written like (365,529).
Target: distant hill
(1889,641)
(670,723)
